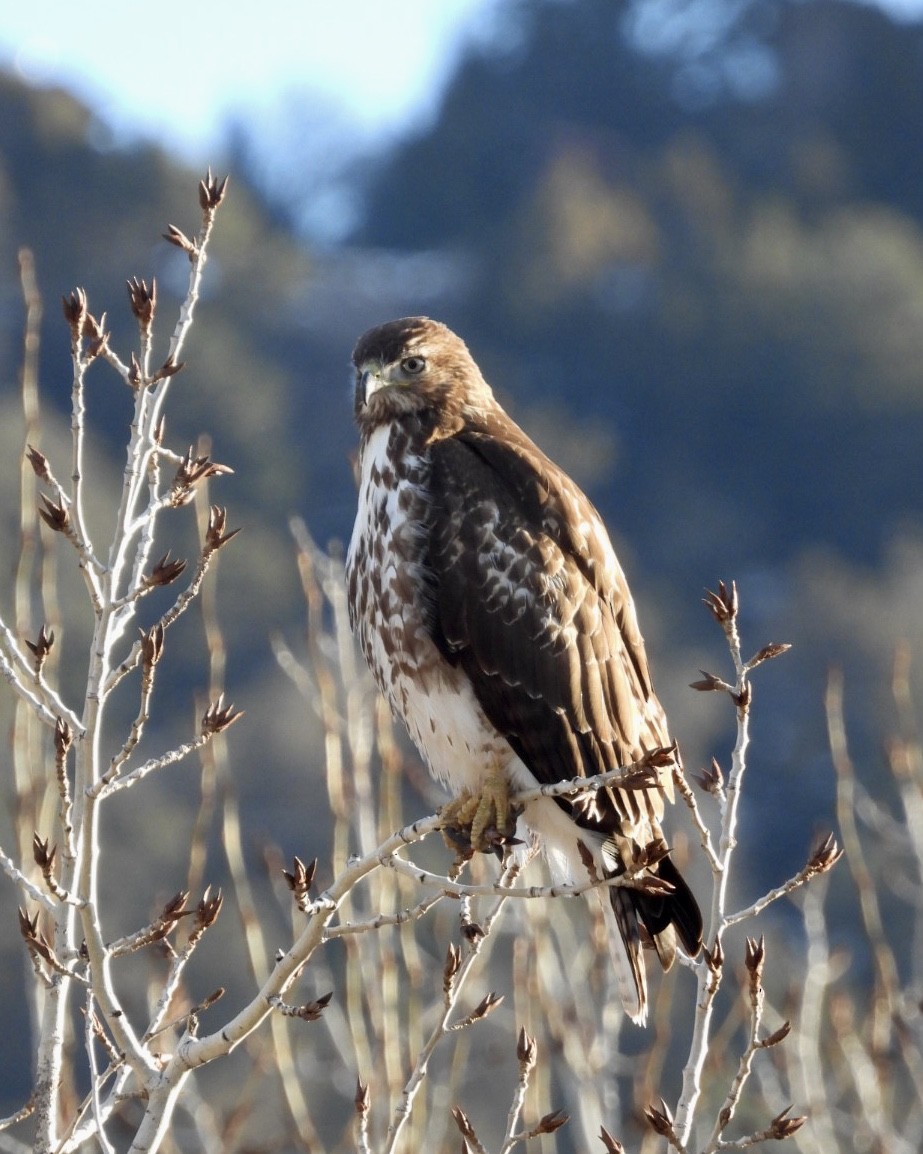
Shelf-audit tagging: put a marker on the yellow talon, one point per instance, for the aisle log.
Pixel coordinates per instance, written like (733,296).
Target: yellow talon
(483,822)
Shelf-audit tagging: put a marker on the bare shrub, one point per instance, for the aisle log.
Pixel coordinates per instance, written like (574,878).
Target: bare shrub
(417,1003)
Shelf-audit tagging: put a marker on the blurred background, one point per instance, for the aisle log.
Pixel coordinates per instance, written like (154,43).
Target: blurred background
(683,239)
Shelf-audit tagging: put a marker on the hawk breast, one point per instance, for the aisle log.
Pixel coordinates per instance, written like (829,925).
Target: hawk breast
(391,610)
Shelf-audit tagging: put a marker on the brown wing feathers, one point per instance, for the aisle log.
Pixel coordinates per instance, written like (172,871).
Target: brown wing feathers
(547,638)
(520,610)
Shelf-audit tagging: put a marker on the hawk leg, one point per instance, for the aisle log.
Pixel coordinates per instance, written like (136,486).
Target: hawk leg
(482,822)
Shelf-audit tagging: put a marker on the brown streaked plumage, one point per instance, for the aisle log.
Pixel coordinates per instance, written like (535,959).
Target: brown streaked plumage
(497,621)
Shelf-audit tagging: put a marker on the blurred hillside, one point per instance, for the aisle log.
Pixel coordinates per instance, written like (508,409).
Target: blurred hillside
(697,231)
(732,283)
(690,259)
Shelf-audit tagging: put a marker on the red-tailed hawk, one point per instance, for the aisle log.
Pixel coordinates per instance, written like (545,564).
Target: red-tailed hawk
(497,621)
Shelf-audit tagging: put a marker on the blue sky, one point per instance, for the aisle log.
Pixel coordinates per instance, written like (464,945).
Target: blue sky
(174,70)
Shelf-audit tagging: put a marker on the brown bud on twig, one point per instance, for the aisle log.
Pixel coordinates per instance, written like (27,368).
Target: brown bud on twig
(646,857)
(710,683)
(208,909)
(300,879)
(192,1015)
(660,1120)
(39,463)
(63,737)
(152,645)
(175,907)
(75,311)
(485,1006)
(525,1051)
(27,925)
(744,698)
(164,572)
(308,1011)
(777,1036)
(214,996)
(211,191)
(824,856)
(192,470)
(754,958)
(134,373)
(36,943)
(714,957)
(723,604)
(548,1123)
(143,300)
(161,927)
(463,1122)
(612,1145)
(215,535)
(773,649)
(663,757)
(41,647)
(44,857)
(782,1126)
(178,238)
(102,1037)
(55,516)
(452,965)
(363,1099)
(96,336)
(219,716)
(168,369)
(711,779)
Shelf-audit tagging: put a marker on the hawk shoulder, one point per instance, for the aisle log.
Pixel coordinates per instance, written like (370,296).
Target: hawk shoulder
(528,597)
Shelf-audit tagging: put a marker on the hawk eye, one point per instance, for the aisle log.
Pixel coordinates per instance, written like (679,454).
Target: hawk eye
(413,365)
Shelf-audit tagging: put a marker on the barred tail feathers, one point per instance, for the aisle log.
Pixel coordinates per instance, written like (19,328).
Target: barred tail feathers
(624,942)
(570,853)
(668,920)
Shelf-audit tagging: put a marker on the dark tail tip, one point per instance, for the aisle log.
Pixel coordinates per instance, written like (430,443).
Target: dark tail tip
(678,908)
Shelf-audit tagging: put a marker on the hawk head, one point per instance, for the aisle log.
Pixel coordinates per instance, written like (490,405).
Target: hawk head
(413,366)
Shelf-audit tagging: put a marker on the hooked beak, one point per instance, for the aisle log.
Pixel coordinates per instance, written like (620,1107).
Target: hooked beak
(371,379)
(370,383)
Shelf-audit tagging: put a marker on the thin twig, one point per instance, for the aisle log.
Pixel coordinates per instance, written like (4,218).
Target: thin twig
(108,785)
(453,984)
(887,985)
